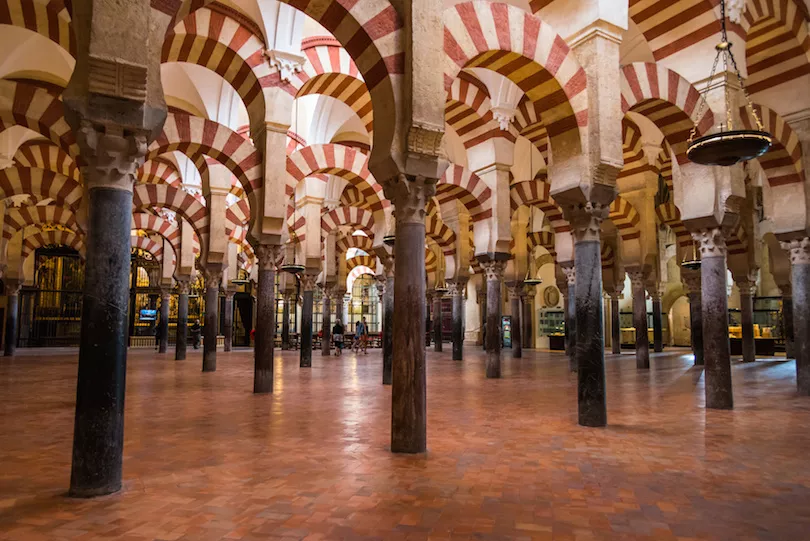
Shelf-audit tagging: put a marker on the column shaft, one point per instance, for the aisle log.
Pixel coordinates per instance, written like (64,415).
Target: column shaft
(326,327)
(228,321)
(799,251)
(526,320)
(388,330)
(438,339)
(658,328)
(12,319)
(696,325)
(571,321)
(714,302)
(590,345)
(747,322)
(458,322)
(482,304)
(285,323)
(787,322)
(163,332)
(494,271)
(306,324)
(181,338)
(98,437)
(640,320)
(265,319)
(428,321)
(615,326)
(517,336)
(212,283)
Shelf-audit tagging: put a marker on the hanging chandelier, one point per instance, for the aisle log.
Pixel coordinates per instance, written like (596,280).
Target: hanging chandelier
(294,267)
(728,146)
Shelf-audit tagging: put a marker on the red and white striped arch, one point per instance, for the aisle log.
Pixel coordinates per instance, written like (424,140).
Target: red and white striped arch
(631,147)
(468,107)
(17,218)
(46,155)
(356,273)
(194,136)
(38,110)
(668,214)
(626,219)
(360,242)
(674,25)
(369,261)
(431,261)
(538,193)
(50,19)
(148,245)
(521,47)
(42,184)
(777,44)
(353,216)
(54,237)
(668,100)
(436,229)
(783,162)
(222,44)
(166,229)
(159,171)
(529,124)
(339,160)
(459,184)
(150,196)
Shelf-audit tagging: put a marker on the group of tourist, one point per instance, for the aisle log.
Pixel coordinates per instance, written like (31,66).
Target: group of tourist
(360,337)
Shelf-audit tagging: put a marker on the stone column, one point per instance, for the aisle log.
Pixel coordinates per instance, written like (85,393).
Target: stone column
(285,322)
(428,321)
(658,327)
(326,326)
(714,302)
(526,318)
(438,337)
(308,289)
(494,271)
(799,251)
(787,320)
(338,295)
(409,386)
(98,437)
(228,319)
(181,338)
(515,291)
(482,305)
(569,269)
(388,321)
(691,281)
(265,323)
(586,224)
(457,288)
(165,298)
(213,281)
(615,324)
(747,291)
(12,316)
(640,318)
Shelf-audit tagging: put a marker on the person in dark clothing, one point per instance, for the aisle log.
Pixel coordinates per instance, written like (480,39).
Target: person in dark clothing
(337,336)
(196,330)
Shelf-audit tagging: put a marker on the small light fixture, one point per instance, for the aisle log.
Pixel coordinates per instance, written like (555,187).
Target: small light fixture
(531,278)
(693,261)
(389,240)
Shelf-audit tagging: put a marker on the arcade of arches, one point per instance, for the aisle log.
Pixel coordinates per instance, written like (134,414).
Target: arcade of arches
(500,190)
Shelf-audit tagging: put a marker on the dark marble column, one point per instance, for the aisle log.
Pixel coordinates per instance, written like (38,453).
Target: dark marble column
(409,385)
(267,256)
(658,327)
(428,320)
(308,289)
(640,318)
(615,324)
(571,314)
(714,302)
(515,291)
(98,436)
(228,331)
(388,325)
(338,297)
(326,323)
(563,287)
(749,348)
(213,281)
(787,321)
(181,338)
(691,281)
(799,251)
(285,322)
(494,272)
(457,288)
(12,316)
(526,317)
(438,337)
(590,344)
(163,332)
(482,306)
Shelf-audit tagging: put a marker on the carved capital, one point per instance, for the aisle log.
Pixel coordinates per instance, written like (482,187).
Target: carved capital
(586,220)
(409,197)
(388,265)
(229,294)
(112,159)
(494,269)
(213,278)
(503,116)
(425,140)
(165,294)
(13,287)
(636,278)
(457,287)
(515,290)
(798,250)
(711,242)
(267,256)
(570,271)
(183,287)
(381,281)
(617,291)
(308,282)
(527,291)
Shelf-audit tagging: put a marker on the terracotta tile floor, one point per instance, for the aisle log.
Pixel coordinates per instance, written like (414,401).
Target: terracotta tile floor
(206,459)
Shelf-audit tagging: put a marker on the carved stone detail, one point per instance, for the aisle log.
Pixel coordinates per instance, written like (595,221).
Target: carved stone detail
(267,256)
(381,281)
(409,197)
(183,287)
(285,62)
(117,78)
(617,292)
(515,290)
(711,242)
(570,272)
(503,116)
(112,160)
(388,265)
(457,287)
(308,282)
(586,220)
(13,287)
(798,250)
(213,278)
(636,278)
(494,269)
(425,140)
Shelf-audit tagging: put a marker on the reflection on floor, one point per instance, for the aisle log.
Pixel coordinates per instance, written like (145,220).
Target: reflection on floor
(206,459)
